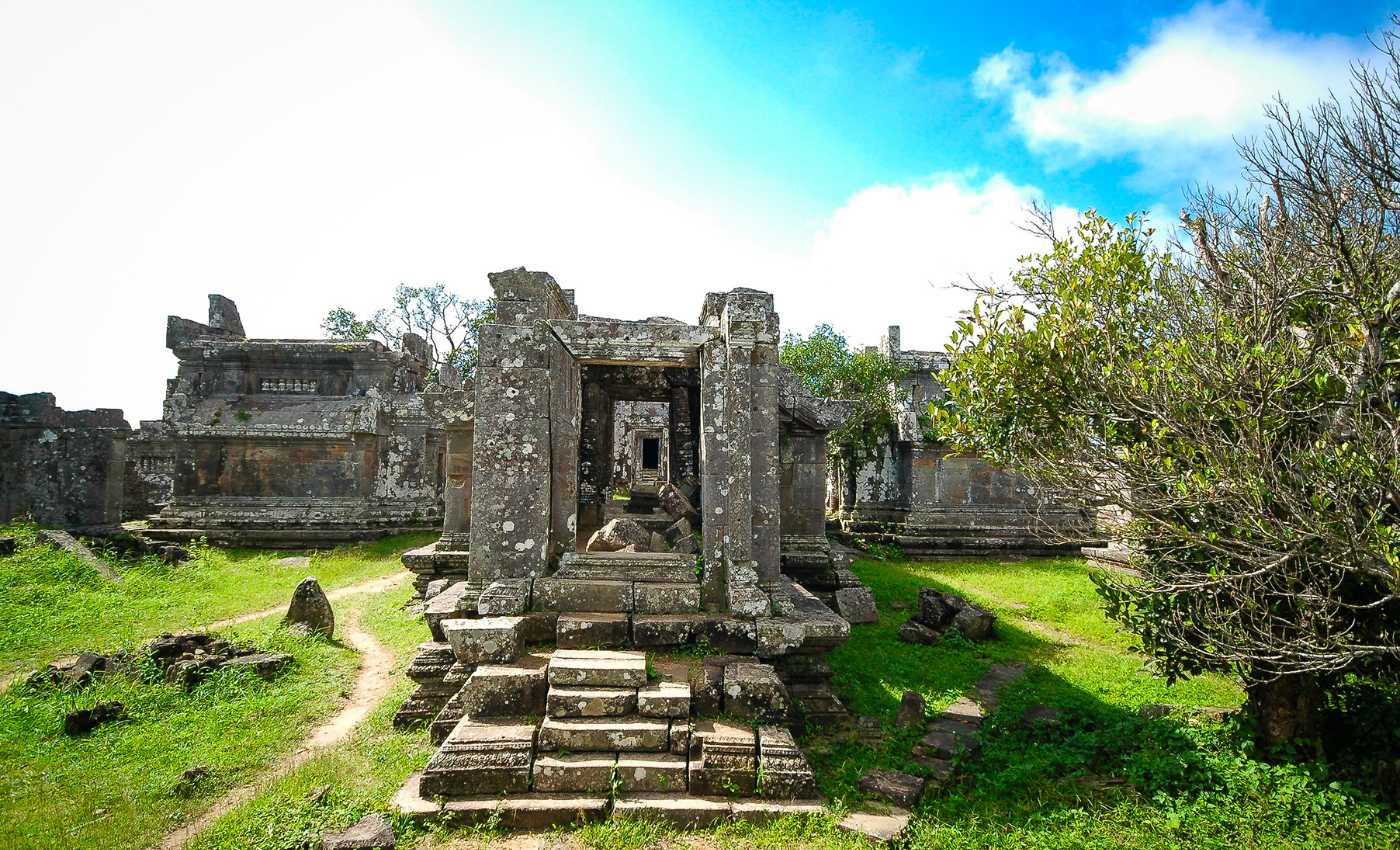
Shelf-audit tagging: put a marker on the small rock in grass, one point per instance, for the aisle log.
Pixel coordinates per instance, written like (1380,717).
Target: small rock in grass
(265,664)
(299,561)
(185,785)
(973,622)
(371,833)
(8,545)
(911,711)
(317,794)
(310,611)
(914,631)
(85,720)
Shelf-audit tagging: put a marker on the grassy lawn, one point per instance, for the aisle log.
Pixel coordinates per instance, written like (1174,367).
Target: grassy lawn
(52,604)
(1102,777)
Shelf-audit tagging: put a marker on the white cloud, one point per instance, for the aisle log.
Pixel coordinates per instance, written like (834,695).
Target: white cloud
(300,156)
(890,255)
(1175,102)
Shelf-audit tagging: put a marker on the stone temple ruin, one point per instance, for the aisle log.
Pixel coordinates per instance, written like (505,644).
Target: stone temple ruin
(920,495)
(288,442)
(536,683)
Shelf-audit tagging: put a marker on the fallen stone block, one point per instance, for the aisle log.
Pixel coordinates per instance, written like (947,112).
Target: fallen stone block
(372,832)
(265,664)
(914,631)
(902,789)
(84,720)
(620,533)
(857,605)
(884,827)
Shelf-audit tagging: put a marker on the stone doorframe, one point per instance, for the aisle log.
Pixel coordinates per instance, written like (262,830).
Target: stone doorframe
(526,444)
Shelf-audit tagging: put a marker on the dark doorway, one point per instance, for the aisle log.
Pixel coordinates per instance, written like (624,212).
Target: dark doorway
(651,453)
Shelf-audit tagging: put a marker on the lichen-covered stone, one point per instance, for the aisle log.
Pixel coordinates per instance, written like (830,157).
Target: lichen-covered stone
(488,640)
(754,691)
(310,610)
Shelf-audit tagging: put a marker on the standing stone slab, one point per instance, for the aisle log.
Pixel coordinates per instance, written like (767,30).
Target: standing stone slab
(310,610)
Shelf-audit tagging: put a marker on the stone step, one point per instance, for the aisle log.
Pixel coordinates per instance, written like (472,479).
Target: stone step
(630,734)
(490,756)
(580,630)
(663,567)
(641,773)
(598,668)
(574,773)
(506,690)
(664,699)
(563,701)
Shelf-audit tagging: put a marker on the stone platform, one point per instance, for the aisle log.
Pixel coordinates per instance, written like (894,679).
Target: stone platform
(565,736)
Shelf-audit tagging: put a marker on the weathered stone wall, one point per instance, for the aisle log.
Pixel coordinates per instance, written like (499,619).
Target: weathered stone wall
(150,469)
(920,495)
(633,419)
(65,468)
(296,442)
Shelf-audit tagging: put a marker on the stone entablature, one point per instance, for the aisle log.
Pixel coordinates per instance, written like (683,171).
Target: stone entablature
(65,468)
(296,442)
(919,494)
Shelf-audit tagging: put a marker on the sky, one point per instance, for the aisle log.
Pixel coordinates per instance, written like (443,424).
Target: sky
(856,160)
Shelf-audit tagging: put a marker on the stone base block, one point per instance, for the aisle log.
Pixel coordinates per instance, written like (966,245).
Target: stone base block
(666,598)
(565,594)
(506,690)
(598,668)
(591,702)
(785,771)
(487,640)
(664,699)
(683,812)
(602,734)
(585,772)
(754,691)
(661,773)
(592,630)
(651,630)
(481,757)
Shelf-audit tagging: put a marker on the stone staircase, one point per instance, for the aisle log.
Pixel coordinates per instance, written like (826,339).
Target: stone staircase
(614,737)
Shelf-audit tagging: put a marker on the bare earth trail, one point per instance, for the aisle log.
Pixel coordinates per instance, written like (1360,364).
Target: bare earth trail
(371,684)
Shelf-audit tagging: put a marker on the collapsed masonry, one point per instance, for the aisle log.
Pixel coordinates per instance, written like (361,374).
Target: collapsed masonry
(917,493)
(525,625)
(289,442)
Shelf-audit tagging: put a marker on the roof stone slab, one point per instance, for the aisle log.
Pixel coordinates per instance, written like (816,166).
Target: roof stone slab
(618,343)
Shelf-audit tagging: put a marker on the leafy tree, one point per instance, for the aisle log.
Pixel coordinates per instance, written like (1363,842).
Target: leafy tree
(451,324)
(1231,403)
(830,369)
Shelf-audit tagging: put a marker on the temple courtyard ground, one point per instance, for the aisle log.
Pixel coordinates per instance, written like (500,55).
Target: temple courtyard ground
(312,749)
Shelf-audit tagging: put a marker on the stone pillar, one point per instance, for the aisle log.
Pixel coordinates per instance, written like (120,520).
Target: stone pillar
(513,505)
(738,382)
(715,459)
(767,501)
(457,491)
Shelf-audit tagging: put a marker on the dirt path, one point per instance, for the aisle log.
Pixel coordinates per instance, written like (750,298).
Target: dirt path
(374,585)
(371,684)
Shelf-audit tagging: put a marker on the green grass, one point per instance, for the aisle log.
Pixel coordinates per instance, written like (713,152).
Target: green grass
(1103,777)
(362,772)
(114,787)
(52,604)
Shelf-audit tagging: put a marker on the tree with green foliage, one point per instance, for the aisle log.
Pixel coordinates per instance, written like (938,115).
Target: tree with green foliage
(1231,401)
(828,367)
(450,324)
